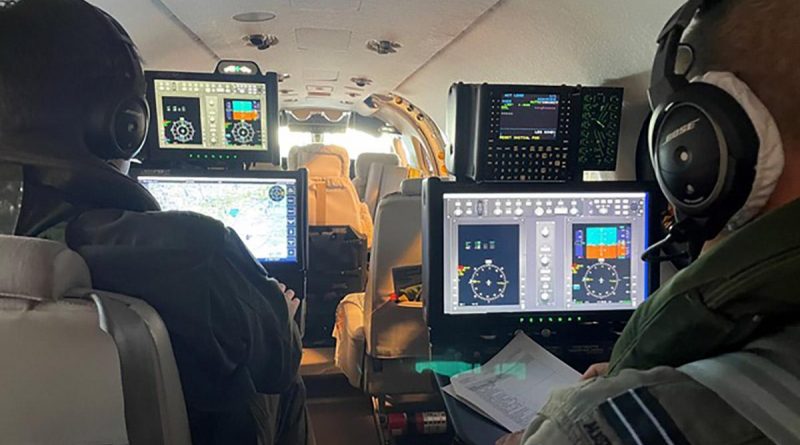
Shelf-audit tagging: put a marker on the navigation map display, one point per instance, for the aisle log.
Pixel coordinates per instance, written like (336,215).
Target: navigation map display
(205,115)
(544,252)
(263,212)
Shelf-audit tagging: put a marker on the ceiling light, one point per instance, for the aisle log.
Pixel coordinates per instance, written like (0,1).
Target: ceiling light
(383,47)
(8,3)
(253,17)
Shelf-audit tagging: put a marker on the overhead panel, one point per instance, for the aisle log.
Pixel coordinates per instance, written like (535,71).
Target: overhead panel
(323,39)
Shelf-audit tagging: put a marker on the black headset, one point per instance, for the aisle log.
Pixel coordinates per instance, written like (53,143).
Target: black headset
(703,145)
(118,117)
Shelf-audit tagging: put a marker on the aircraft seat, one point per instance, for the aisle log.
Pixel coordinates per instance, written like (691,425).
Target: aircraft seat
(81,366)
(364,162)
(379,341)
(383,180)
(332,198)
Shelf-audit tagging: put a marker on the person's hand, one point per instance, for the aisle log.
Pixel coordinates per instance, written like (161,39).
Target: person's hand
(596,370)
(292,302)
(511,439)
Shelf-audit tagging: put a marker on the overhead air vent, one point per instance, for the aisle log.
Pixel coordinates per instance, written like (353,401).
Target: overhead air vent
(260,41)
(8,3)
(361,82)
(383,47)
(254,17)
(284,76)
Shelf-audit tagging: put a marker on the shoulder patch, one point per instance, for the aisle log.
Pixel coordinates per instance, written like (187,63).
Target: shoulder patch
(638,418)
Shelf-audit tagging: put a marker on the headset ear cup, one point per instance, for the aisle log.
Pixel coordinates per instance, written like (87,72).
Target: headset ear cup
(119,130)
(130,126)
(704,149)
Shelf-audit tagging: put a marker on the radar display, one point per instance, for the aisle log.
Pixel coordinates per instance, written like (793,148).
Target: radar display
(599,128)
(601,263)
(243,122)
(181,123)
(488,265)
(263,215)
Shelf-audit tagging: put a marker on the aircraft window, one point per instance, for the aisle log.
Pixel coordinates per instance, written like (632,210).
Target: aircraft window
(358,142)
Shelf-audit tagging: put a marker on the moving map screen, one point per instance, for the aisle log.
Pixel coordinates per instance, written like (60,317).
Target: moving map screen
(263,212)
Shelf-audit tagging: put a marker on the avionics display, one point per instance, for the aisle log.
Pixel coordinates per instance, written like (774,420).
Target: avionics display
(205,115)
(528,117)
(544,252)
(265,213)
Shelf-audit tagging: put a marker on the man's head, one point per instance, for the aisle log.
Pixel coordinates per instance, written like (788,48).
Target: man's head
(758,41)
(66,71)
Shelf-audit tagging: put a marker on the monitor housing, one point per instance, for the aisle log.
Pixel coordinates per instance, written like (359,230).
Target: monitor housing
(502,257)
(213,119)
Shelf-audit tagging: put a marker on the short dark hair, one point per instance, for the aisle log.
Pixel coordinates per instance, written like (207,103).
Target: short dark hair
(759,41)
(55,56)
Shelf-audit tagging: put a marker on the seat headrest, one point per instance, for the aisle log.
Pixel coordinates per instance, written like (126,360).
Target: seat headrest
(320,160)
(40,270)
(365,161)
(412,187)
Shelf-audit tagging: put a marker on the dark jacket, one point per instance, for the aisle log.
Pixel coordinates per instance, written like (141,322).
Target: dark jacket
(227,320)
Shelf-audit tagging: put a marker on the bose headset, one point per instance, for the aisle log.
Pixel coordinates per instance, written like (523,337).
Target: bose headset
(703,145)
(118,118)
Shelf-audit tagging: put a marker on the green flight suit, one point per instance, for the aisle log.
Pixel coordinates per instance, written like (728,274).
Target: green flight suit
(741,295)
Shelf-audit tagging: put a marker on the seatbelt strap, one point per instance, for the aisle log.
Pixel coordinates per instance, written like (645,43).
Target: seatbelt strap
(760,391)
(135,345)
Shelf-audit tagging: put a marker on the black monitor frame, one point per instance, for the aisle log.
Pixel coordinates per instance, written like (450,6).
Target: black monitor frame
(222,156)
(448,328)
(301,176)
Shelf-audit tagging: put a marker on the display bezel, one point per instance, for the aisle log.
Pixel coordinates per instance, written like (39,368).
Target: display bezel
(220,155)
(442,324)
(300,176)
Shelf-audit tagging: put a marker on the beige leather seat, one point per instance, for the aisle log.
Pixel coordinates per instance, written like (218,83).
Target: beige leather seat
(80,366)
(383,180)
(379,342)
(332,198)
(363,164)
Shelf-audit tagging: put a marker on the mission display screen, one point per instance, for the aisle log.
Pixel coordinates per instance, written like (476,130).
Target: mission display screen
(544,252)
(263,212)
(528,117)
(205,115)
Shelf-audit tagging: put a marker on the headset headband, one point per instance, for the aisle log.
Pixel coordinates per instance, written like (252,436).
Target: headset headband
(664,81)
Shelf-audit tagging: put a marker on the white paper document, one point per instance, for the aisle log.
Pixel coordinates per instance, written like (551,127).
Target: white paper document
(514,385)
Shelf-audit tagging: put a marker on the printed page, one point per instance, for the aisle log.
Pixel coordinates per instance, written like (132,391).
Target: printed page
(512,387)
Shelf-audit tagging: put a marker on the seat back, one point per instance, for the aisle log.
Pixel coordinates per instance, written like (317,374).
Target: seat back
(81,367)
(383,180)
(392,330)
(364,162)
(332,198)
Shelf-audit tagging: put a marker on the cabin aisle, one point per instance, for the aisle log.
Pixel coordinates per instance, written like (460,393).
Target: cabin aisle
(340,414)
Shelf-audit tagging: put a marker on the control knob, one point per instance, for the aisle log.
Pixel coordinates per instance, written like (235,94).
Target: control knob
(539,211)
(545,260)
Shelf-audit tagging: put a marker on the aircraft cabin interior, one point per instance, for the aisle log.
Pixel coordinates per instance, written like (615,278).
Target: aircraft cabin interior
(456,198)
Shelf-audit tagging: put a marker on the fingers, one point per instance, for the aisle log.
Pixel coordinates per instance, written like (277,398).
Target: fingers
(596,370)
(281,286)
(511,439)
(289,294)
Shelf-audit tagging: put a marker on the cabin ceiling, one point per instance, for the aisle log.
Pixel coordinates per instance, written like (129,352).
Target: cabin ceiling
(322,46)
(322,43)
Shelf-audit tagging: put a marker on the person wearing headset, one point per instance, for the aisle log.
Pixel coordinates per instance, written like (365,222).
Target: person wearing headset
(711,358)
(72,115)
